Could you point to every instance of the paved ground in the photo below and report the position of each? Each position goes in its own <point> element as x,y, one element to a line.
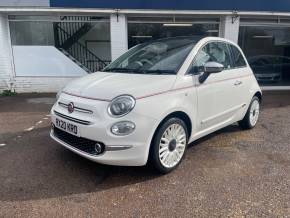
<point>230,173</point>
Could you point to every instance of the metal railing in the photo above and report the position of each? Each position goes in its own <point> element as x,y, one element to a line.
<point>67,35</point>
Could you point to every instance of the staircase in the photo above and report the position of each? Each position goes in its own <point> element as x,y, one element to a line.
<point>75,60</point>
<point>67,40</point>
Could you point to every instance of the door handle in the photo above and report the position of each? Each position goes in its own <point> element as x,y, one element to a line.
<point>238,82</point>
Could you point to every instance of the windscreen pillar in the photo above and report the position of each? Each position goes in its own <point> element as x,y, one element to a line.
<point>229,28</point>
<point>119,35</point>
<point>6,71</point>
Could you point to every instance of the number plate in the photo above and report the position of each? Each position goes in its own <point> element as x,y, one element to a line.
<point>66,126</point>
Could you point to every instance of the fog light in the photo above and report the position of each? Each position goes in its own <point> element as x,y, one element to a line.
<point>98,148</point>
<point>123,128</point>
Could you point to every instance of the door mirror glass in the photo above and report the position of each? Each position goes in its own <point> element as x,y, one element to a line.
<point>213,67</point>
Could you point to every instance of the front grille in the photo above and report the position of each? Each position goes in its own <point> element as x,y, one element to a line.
<point>76,108</point>
<point>86,145</point>
<point>84,122</point>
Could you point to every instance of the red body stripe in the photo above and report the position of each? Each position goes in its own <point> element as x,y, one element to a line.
<point>159,93</point>
<point>187,87</point>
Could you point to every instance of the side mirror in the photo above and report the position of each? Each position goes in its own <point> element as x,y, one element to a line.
<point>213,67</point>
<point>209,68</point>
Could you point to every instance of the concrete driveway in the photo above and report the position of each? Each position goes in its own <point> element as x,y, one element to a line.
<point>229,173</point>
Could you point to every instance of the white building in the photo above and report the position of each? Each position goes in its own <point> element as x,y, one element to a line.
<point>46,43</point>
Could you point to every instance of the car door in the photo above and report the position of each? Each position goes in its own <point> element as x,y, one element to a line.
<point>242,77</point>
<point>217,98</point>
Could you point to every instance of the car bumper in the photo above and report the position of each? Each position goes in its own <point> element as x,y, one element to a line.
<point>133,156</point>
<point>129,150</point>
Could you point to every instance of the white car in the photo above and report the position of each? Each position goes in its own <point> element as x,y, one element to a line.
<point>154,100</point>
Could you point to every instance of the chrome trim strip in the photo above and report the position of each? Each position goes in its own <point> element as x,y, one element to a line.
<point>117,147</point>
<point>76,108</point>
<point>84,122</point>
<point>91,98</point>
<point>63,104</point>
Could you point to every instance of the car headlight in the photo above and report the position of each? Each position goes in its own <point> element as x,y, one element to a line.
<point>121,105</point>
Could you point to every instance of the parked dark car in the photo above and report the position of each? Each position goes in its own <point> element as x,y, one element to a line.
<point>269,68</point>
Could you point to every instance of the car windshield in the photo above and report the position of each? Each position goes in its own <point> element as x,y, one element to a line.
<point>157,57</point>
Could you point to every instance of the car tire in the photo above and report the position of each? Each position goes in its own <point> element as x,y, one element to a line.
<point>169,145</point>
<point>251,118</point>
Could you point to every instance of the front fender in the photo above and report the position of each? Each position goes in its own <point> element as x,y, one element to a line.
<point>160,106</point>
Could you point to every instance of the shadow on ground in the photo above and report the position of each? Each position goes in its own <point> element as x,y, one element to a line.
<point>40,168</point>
<point>43,169</point>
<point>35,167</point>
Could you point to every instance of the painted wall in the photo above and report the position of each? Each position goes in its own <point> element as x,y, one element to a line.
<point>44,61</point>
<point>49,71</point>
<point>119,35</point>
<point>16,3</point>
<point>245,5</point>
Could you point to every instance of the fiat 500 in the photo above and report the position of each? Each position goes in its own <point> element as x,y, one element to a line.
<point>147,105</point>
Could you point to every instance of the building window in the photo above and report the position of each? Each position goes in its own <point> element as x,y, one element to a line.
<point>268,52</point>
<point>142,29</point>
<point>64,46</point>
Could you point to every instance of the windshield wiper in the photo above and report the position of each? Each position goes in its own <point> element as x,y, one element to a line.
<point>167,72</point>
<point>140,71</point>
<point>116,69</point>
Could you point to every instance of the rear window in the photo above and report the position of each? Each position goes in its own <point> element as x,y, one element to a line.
<point>238,59</point>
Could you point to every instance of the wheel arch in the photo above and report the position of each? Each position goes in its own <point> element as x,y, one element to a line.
<point>259,95</point>
<point>181,115</point>
<point>178,114</point>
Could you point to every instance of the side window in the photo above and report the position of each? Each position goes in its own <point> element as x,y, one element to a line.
<point>238,59</point>
<point>214,51</point>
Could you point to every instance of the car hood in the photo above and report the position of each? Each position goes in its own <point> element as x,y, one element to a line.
<point>103,85</point>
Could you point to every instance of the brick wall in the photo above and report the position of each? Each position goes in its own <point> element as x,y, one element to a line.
<point>40,84</point>
<point>5,54</point>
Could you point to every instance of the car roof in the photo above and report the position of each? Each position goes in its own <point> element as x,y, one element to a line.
<point>195,38</point>
<point>213,38</point>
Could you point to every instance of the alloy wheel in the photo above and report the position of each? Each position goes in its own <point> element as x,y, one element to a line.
<point>172,145</point>
<point>254,112</point>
